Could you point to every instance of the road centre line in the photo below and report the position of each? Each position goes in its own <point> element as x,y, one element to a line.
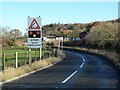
<point>82,65</point>
<point>81,57</point>
<point>69,77</point>
<point>76,70</point>
<point>83,61</point>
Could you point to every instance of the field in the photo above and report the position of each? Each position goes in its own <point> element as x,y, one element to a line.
<point>12,72</point>
<point>22,55</point>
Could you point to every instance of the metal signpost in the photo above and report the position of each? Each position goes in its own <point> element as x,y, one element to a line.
<point>34,34</point>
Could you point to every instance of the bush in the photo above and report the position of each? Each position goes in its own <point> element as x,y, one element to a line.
<point>12,43</point>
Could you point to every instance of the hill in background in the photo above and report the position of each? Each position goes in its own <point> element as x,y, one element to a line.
<point>99,33</point>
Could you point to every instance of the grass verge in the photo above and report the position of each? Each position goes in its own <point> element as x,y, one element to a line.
<point>112,57</point>
<point>10,72</point>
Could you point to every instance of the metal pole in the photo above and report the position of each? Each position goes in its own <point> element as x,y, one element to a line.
<point>40,52</point>
<point>29,56</point>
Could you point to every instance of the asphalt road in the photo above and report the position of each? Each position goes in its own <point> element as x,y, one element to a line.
<point>76,70</point>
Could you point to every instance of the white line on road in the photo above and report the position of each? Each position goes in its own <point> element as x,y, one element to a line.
<point>80,56</point>
<point>76,70</point>
<point>26,74</point>
<point>83,61</point>
<point>81,65</point>
<point>69,77</point>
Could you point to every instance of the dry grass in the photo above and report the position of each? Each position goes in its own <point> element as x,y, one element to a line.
<point>10,72</point>
<point>112,55</point>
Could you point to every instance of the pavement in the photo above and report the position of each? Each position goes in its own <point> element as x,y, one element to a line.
<point>77,71</point>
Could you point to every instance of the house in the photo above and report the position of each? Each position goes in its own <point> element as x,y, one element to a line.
<point>49,38</point>
<point>60,38</point>
<point>53,38</point>
<point>24,44</point>
<point>76,39</point>
<point>82,35</point>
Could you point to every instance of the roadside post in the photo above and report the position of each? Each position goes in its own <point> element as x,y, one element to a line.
<point>34,35</point>
<point>58,44</point>
<point>3,61</point>
<point>29,56</point>
<point>16,60</point>
<point>62,44</point>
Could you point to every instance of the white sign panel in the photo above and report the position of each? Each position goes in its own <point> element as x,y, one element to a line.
<point>34,42</point>
<point>34,32</point>
<point>34,23</point>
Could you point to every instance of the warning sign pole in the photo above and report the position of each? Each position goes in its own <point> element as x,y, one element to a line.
<point>34,35</point>
<point>29,52</point>
<point>40,52</point>
<point>41,41</point>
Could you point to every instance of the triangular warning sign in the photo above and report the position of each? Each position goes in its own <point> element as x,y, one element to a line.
<point>34,25</point>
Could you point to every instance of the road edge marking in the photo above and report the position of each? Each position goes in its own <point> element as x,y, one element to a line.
<point>26,74</point>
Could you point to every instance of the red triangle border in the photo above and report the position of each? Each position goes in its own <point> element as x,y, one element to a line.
<point>32,23</point>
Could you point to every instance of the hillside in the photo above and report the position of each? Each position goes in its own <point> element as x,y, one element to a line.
<point>66,30</point>
<point>102,34</point>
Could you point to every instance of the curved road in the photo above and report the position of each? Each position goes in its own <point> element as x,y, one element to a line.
<point>75,71</point>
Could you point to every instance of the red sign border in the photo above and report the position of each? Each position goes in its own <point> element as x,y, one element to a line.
<point>32,23</point>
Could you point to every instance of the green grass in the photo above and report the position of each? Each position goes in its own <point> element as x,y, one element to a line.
<point>22,55</point>
<point>11,72</point>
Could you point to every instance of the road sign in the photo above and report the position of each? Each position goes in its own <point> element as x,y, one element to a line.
<point>34,42</point>
<point>34,32</point>
<point>34,23</point>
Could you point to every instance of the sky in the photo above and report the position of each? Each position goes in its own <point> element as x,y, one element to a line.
<point>14,14</point>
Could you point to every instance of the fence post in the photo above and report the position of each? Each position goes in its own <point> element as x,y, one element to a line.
<point>29,56</point>
<point>40,52</point>
<point>25,57</point>
<point>55,52</point>
<point>16,60</point>
<point>35,55</point>
<point>43,55</point>
<point>3,61</point>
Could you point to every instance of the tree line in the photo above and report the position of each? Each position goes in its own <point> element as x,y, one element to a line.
<point>104,34</point>
<point>100,34</point>
<point>9,37</point>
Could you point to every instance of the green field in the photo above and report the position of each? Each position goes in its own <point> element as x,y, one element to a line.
<point>22,55</point>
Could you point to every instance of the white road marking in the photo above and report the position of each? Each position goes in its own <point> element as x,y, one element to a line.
<point>81,65</point>
<point>83,61</point>
<point>76,70</point>
<point>80,56</point>
<point>26,74</point>
<point>69,77</point>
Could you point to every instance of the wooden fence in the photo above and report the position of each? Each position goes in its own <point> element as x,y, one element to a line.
<point>18,59</point>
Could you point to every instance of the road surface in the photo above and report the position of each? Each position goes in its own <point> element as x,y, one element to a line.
<point>75,71</point>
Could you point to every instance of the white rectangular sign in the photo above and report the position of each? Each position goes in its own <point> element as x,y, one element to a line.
<point>34,32</point>
<point>34,42</point>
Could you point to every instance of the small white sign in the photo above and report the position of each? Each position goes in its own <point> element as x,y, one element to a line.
<point>34,42</point>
